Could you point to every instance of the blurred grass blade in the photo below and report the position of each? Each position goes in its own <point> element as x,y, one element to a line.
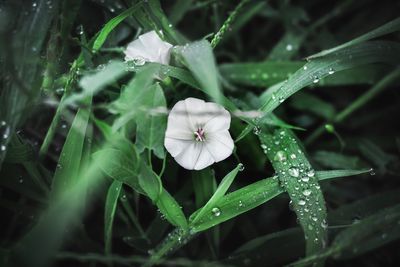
<point>219,193</point>
<point>151,120</point>
<point>111,205</point>
<point>71,156</point>
<point>387,28</point>
<point>94,82</point>
<point>204,185</point>
<point>298,179</point>
<point>199,59</point>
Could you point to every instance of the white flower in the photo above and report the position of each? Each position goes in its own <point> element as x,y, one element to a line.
<point>150,48</point>
<point>197,133</point>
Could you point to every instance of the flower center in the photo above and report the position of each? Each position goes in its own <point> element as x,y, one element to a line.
<point>200,135</point>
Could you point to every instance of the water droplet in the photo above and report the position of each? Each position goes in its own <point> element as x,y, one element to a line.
<point>263,146</point>
<point>34,4</point>
<point>293,156</point>
<point>79,30</point>
<point>301,202</point>
<point>101,67</point>
<point>314,218</point>
<point>3,123</point>
<point>21,180</point>
<point>241,167</point>
<point>315,79</point>
<point>305,67</point>
<point>324,224</point>
<point>256,130</point>
<point>289,47</point>
<point>307,192</point>
<point>311,173</point>
<point>280,156</point>
<point>293,171</point>
<point>310,227</point>
<point>216,211</point>
<point>240,203</point>
<point>265,76</point>
<point>372,172</point>
<point>281,99</point>
<point>331,71</point>
<point>2,148</point>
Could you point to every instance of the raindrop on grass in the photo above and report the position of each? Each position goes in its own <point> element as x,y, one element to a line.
<point>256,130</point>
<point>289,47</point>
<point>301,202</point>
<point>216,211</point>
<point>315,79</point>
<point>331,71</point>
<point>241,167</point>
<point>372,172</point>
<point>293,156</point>
<point>280,156</point>
<point>293,171</point>
<point>307,192</point>
<point>311,173</point>
<point>2,148</point>
<point>305,67</point>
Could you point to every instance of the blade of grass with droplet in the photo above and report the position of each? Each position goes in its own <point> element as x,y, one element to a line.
<point>314,70</point>
<point>391,26</point>
<point>298,179</point>
<point>325,175</point>
<point>69,163</point>
<point>218,194</point>
<point>109,212</point>
<point>150,125</point>
<point>199,58</point>
<point>238,202</point>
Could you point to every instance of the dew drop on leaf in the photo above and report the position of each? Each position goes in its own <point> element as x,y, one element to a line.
<point>293,171</point>
<point>307,192</point>
<point>216,211</point>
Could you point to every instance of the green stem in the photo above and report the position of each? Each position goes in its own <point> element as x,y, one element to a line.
<point>227,24</point>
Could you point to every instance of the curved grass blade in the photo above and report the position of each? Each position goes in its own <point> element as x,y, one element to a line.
<point>325,175</point>
<point>298,179</point>
<point>219,193</point>
<point>109,213</point>
<point>387,28</point>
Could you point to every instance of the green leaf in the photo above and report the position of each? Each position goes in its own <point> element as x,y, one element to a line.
<point>111,205</point>
<point>171,210</point>
<point>69,163</point>
<point>150,182</point>
<point>219,193</point>
<point>151,122</point>
<point>120,166</point>
<point>298,179</point>
<point>199,59</point>
<point>387,28</point>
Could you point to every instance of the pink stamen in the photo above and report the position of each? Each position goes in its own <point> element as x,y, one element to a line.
<point>200,135</point>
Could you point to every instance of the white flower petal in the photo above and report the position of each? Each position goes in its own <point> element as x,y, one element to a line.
<point>150,47</point>
<point>190,156</point>
<point>205,159</point>
<point>176,146</point>
<point>219,119</point>
<point>178,119</point>
<point>220,145</point>
<point>196,112</point>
